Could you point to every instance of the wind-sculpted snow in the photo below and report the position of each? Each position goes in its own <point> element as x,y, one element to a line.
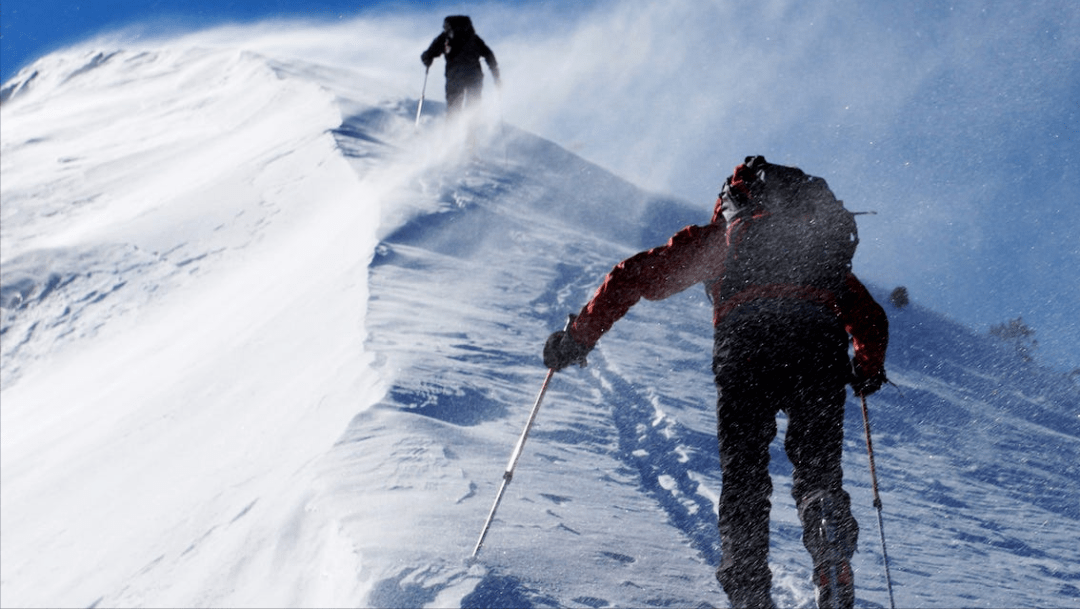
<point>278,354</point>
<point>51,296</point>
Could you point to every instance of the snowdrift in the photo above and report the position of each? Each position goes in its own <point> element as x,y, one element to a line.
<point>266,344</point>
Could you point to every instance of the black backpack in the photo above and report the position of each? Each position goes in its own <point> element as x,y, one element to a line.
<point>785,228</point>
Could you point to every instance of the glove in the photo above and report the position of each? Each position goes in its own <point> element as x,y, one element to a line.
<point>425,59</point>
<point>561,350</point>
<point>866,384</point>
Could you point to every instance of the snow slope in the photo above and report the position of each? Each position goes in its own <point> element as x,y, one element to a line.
<point>266,344</point>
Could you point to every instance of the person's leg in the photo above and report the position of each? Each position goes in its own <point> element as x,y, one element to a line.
<point>744,505</point>
<point>814,441</point>
<point>473,91</point>
<point>814,444</point>
<point>746,425</point>
<point>455,95</point>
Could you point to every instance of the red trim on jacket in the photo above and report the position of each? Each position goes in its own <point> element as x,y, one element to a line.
<point>695,255</point>
<point>776,290</point>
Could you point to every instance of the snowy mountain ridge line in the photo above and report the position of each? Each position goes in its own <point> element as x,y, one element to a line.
<point>251,240</point>
<point>211,142</point>
<point>297,382</point>
<point>246,115</point>
<point>149,176</point>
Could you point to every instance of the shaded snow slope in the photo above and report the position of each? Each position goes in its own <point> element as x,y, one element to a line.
<point>264,343</point>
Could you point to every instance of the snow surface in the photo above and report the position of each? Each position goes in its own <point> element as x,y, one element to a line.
<point>266,344</point>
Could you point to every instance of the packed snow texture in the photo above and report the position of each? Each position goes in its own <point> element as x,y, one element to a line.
<point>265,343</point>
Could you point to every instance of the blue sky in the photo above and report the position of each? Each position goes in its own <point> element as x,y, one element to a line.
<point>956,122</point>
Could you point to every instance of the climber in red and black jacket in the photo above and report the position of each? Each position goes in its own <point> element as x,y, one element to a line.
<point>778,346</point>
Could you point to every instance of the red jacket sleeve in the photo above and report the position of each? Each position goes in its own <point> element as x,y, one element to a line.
<point>694,254</point>
<point>865,321</point>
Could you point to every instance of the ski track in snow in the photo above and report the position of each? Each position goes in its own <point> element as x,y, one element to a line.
<point>265,343</point>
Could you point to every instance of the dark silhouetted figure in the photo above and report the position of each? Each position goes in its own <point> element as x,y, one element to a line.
<point>463,50</point>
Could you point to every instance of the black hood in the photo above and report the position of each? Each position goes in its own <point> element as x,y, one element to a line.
<point>458,26</point>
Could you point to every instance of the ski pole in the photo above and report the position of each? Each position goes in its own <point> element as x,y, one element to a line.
<point>877,500</point>
<point>509,473</point>
<point>423,90</point>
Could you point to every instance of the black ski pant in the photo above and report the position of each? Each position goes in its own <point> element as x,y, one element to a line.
<point>771,356</point>
<point>462,87</point>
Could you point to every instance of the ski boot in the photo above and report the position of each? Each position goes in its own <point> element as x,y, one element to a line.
<point>830,536</point>
<point>834,584</point>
